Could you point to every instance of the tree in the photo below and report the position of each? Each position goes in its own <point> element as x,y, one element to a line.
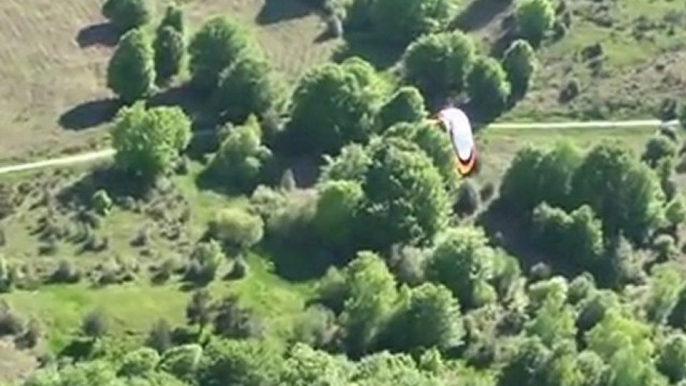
<point>338,207</point>
<point>233,321</point>
<point>305,366</point>
<point>438,63</point>
<point>624,192</point>
<point>519,63</point>
<point>139,362</point>
<point>371,291</point>
<point>331,107</point>
<point>216,46</point>
<point>463,262</point>
<point>434,143</point>
<point>128,14</point>
<point>406,105</point>
<point>170,51</point>
<point>488,87</point>
<point>204,262</point>
<point>148,142</point>
<point>95,324</point>
<point>247,87</point>
<point>174,18</point>
<point>430,317</point>
<point>351,164</point>
<point>241,157</point>
<point>237,228</point>
<point>672,358</point>
<point>131,71</point>
<point>198,310</point>
<point>406,202</point>
<point>159,336</point>
<point>534,19</point>
<point>239,362</point>
<point>182,361</point>
<point>527,366</point>
<point>576,237</point>
<point>553,322</point>
<point>675,213</point>
<point>401,21</point>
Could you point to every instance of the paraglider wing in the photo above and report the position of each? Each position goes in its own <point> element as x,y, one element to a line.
<point>459,130</point>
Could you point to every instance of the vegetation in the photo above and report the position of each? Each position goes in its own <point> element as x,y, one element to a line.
<point>323,237</point>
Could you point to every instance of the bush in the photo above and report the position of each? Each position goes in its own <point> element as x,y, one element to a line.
<point>658,148</point>
<point>204,262</point>
<point>467,200</point>
<point>139,362</point>
<point>65,272</point>
<point>10,323</point>
<point>237,228</point>
<point>159,336</point>
<point>241,157</point>
<point>128,14</point>
<point>102,203</point>
<point>406,105</point>
<point>95,324</point>
<point>131,71</point>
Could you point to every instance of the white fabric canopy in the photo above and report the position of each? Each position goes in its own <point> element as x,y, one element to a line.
<point>460,131</point>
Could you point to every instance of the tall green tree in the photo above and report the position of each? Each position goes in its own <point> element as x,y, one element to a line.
<point>625,193</point>
<point>519,62</point>
<point>463,262</point>
<point>534,19</point>
<point>217,45</point>
<point>438,64</point>
<point>131,71</point>
<point>128,14</point>
<point>406,201</point>
<point>149,141</point>
<point>401,21</point>
<point>170,53</point>
<point>331,107</point>
<point>406,105</point>
<point>488,87</point>
<point>174,18</point>
<point>248,86</point>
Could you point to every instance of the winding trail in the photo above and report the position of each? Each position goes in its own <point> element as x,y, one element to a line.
<point>106,153</point>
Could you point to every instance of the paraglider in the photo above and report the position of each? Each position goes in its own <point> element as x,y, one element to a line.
<point>457,126</point>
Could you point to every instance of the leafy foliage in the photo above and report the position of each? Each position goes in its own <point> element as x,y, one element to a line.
<point>534,19</point>
<point>402,21</point>
<point>170,53</point>
<point>128,14</point>
<point>131,71</point>
<point>148,142</point>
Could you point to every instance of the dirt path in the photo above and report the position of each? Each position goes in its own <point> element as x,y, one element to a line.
<point>106,153</point>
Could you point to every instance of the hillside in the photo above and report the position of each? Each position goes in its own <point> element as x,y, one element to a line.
<point>318,232</point>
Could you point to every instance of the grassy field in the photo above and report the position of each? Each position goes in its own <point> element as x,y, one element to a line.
<point>53,60</point>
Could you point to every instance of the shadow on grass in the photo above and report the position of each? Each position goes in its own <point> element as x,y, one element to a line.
<point>298,264</point>
<point>275,11</point>
<point>479,13</point>
<point>89,114</point>
<point>194,103</point>
<point>508,34</point>
<point>118,184</point>
<point>365,46</point>
<point>103,34</point>
<point>78,349</point>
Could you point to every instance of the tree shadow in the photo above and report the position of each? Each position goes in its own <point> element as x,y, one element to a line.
<point>508,34</point>
<point>479,13</point>
<point>361,44</point>
<point>103,34</point>
<point>275,11</point>
<point>89,114</point>
<point>119,186</point>
<point>194,104</point>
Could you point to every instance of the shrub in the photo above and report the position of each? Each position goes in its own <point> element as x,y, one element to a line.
<point>102,203</point>
<point>95,324</point>
<point>488,87</point>
<point>10,323</point>
<point>467,200</point>
<point>170,51</point>
<point>205,260</point>
<point>65,272</point>
<point>520,64</point>
<point>237,228</point>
